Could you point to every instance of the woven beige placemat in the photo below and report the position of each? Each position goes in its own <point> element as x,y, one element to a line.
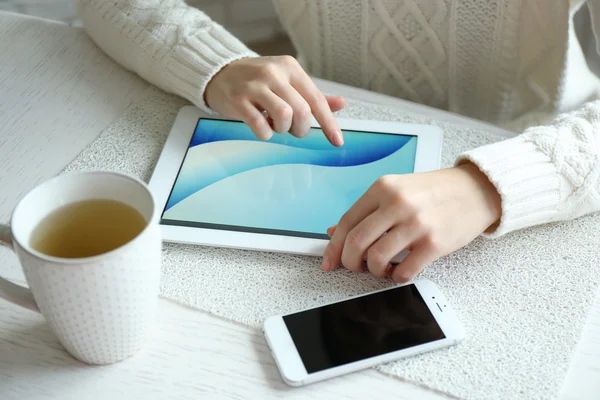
<point>522,298</point>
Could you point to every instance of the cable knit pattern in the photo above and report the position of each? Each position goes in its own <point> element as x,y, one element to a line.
<point>176,47</point>
<point>498,60</point>
<point>413,72</point>
<point>549,173</point>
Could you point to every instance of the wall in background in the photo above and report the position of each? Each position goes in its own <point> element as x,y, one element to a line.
<point>250,20</point>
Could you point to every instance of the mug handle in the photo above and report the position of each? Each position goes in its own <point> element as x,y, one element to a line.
<point>16,294</point>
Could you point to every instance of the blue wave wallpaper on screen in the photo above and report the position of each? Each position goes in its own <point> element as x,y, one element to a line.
<point>229,177</point>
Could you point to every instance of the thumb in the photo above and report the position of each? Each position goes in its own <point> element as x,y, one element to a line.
<point>336,103</point>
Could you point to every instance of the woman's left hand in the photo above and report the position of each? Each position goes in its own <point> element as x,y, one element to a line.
<point>431,214</point>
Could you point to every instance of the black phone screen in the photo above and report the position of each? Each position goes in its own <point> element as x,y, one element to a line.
<point>363,327</point>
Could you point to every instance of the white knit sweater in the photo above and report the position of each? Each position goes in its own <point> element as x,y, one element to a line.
<point>503,61</point>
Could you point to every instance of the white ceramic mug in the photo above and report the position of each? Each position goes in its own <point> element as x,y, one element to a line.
<point>101,308</point>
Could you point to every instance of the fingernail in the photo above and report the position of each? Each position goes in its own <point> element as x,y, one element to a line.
<point>326,264</point>
<point>338,138</point>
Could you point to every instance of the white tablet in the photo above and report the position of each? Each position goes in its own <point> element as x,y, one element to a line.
<point>218,185</point>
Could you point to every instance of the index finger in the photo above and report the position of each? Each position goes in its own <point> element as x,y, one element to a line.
<point>359,211</point>
<point>319,107</point>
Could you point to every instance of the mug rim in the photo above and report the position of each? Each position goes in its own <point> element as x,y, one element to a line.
<point>81,260</point>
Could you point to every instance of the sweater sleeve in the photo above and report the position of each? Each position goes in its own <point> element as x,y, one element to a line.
<point>549,173</point>
<point>171,45</point>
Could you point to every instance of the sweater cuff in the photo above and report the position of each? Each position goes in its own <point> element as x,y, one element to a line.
<point>197,59</point>
<point>525,178</point>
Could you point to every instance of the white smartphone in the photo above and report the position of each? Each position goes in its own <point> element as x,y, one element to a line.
<point>361,332</point>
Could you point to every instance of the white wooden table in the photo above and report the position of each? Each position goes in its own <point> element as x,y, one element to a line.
<point>57,93</point>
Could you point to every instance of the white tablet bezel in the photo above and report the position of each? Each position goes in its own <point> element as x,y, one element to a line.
<point>429,146</point>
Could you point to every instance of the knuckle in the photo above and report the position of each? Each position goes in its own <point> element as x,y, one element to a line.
<point>354,239</point>
<point>377,261</point>
<point>418,222</point>
<point>238,98</point>
<point>410,208</point>
<point>282,112</point>
<point>349,264</point>
<point>303,111</point>
<point>432,243</point>
<point>400,199</point>
<point>257,122</point>
<point>320,100</point>
<point>385,183</point>
<point>269,71</point>
<point>316,98</point>
<point>288,61</point>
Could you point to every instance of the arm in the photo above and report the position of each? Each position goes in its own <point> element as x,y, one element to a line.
<point>549,173</point>
<point>171,45</point>
<point>180,50</point>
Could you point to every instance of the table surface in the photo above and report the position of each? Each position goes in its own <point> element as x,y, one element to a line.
<point>57,93</point>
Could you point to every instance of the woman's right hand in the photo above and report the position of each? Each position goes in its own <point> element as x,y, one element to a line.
<point>278,85</point>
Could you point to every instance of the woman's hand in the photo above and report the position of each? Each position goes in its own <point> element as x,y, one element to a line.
<point>431,214</point>
<point>278,85</point>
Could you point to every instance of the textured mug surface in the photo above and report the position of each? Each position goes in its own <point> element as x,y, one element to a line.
<point>101,308</point>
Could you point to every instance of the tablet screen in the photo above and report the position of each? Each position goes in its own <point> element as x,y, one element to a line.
<point>230,180</point>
